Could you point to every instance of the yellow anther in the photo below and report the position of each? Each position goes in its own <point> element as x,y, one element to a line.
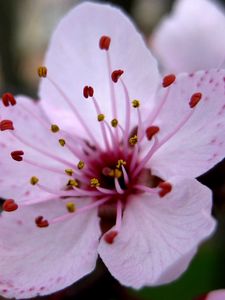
<point>62,142</point>
<point>117,173</point>
<point>71,207</point>
<point>114,123</point>
<point>120,163</point>
<point>111,173</point>
<point>101,117</point>
<point>136,103</point>
<point>42,71</point>
<point>94,182</point>
<point>133,140</point>
<point>54,128</point>
<point>80,165</point>
<point>73,182</point>
<point>34,180</point>
<point>69,172</point>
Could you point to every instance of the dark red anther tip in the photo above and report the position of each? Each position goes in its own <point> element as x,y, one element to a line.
<point>9,205</point>
<point>165,187</point>
<point>168,80</point>
<point>195,98</point>
<point>41,222</point>
<point>116,75</point>
<point>88,91</point>
<point>104,42</point>
<point>151,131</point>
<point>6,125</point>
<point>8,99</point>
<point>110,236</point>
<point>17,155</point>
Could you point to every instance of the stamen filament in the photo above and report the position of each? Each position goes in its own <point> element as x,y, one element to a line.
<point>117,186</point>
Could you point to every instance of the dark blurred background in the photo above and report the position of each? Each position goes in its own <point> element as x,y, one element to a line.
<point>25,29</point>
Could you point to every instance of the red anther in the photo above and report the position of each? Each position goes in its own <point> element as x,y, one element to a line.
<point>104,42</point>
<point>41,222</point>
<point>17,155</point>
<point>116,75</point>
<point>8,99</point>
<point>151,131</point>
<point>88,91</point>
<point>195,98</point>
<point>168,80</point>
<point>6,125</point>
<point>165,187</point>
<point>9,205</point>
<point>110,236</point>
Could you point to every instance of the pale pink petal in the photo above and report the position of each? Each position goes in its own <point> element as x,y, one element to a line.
<point>38,261</point>
<point>192,37</point>
<point>159,236</point>
<point>216,295</point>
<point>200,143</point>
<point>32,126</point>
<point>75,60</point>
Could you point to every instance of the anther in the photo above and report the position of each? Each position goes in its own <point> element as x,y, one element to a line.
<point>195,98</point>
<point>73,182</point>
<point>34,180</point>
<point>42,71</point>
<point>9,205</point>
<point>116,75</point>
<point>165,187</point>
<point>54,128</point>
<point>117,173</point>
<point>136,103</point>
<point>94,182</point>
<point>8,99</point>
<point>88,91</point>
<point>101,117</point>
<point>6,125</point>
<point>114,123</point>
<point>120,163</point>
<point>71,207</point>
<point>110,236</point>
<point>168,80</point>
<point>80,165</point>
<point>104,42</point>
<point>69,172</point>
<point>133,140</point>
<point>41,222</point>
<point>151,131</point>
<point>17,155</point>
<point>62,142</point>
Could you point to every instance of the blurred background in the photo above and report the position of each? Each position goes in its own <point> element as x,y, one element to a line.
<point>25,29</point>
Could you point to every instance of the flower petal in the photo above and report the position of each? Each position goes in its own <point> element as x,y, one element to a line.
<point>74,60</point>
<point>200,143</point>
<point>159,235</point>
<point>216,295</point>
<point>192,37</point>
<point>38,261</point>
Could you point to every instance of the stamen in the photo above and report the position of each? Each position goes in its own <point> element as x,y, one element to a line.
<point>17,155</point>
<point>195,98</point>
<point>110,236</point>
<point>165,187</point>
<point>42,71</point>
<point>62,142</point>
<point>41,222</point>
<point>117,173</point>
<point>34,180</point>
<point>9,205</point>
<point>151,131</point>
<point>116,75</point>
<point>80,165</point>
<point>94,182</point>
<point>168,80</point>
<point>73,183</point>
<point>114,123</point>
<point>8,99</point>
<point>54,128</point>
<point>69,172</point>
<point>125,175</point>
<point>101,117</point>
<point>6,125</point>
<point>117,186</point>
<point>88,91</point>
<point>133,140</point>
<point>121,163</point>
<point>104,42</point>
<point>71,207</point>
<point>136,103</point>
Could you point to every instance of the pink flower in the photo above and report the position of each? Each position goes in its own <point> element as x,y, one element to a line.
<point>105,162</point>
<point>192,37</point>
<point>215,295</point>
